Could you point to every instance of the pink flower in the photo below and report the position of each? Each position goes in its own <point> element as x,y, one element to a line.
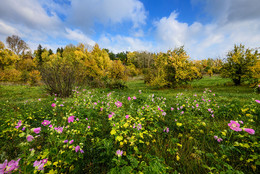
<point>234,126</point>
<point>101,109</point>
<point>110,116</point>
<point>118,104</point>
<point>215,137</point>
<point>71,141</point>
<point>119,153</point>
<point>45,160</point>
<point>46,122</point>
<point>241,122</point>
<point>129,98</point>
<point>65,141</point>
<point>53,105</point>
<point>59,129</point>
<point>88,127</point>
<point>18,124</point>
<point>219,140</point>
<point>127,116</point>
<point>81,151</point>
<point>37,130</point>
<point>71,119</point>
<point>38,165</point>
<point>77,148</point>
<point>50,126</point>
<point>8,167</point>
<point>258,101</point>
<point>29,138</point>
<point>134,97</point>
<point>250,131</point>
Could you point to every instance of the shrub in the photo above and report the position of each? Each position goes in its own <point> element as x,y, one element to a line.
<point>11,75</point>
<point>34,77</point>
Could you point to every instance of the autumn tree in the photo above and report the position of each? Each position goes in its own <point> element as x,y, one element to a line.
<point>238,64</point>
<point>173,68</point>
<point>16,44</point>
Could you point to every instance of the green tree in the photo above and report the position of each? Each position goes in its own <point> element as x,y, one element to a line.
<point>238,64</point>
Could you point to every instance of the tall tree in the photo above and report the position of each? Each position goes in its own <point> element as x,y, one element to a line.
<point>238,64</point>
<point>16,44</point>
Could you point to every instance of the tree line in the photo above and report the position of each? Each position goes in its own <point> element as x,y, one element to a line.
<point>83,65</point>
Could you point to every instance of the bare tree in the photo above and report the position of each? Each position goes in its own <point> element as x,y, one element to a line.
<point>16,44</point>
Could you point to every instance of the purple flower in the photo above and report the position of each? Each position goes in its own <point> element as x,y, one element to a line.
<point>46,122</point>
<point>250,131</point>
<point>139,126</point>
<point>172,108</point>
<point>29,138</point>
<point>8,167</point>
<point>71,119</point>
<point>37,130</point>
<point>38,165</point>
<point>88,127</point>
<point>134,97</point>
<point>110,116</point>
<point>53,105</point>
<point>65,141</point>
<point>127,116</point>
<point>61,105</point>
<point>81,151</point>
<point>71,141</point>
<point>23,128</point>
<point>119,153</point>
<point>18,124</point>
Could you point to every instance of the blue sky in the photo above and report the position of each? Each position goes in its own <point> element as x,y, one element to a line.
<point>206,28</point>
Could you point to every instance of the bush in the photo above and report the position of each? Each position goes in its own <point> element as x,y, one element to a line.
<point>34,77</point>
<point>11,75</point>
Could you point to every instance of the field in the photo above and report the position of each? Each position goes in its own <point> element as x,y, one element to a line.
<point>208,126</point>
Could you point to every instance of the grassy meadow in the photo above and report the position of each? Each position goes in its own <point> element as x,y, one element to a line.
<point>207,126</point>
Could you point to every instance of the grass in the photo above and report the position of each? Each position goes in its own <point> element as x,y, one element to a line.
<point>189,147</point>
<point>223,87</point>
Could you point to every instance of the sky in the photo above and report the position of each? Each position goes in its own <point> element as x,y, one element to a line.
<point>206,28</point>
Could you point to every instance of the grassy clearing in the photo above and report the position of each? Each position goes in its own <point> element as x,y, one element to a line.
<point>172,131</point>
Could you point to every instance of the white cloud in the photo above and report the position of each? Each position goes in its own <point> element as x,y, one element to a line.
<point>84,13</point>
<point>120,43</point>
<point>216,38</point>
<point>79,36</point>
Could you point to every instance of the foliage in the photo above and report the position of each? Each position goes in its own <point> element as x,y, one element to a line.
<point>239,64</point>
<point>34,77</point>
<point>7,57</point>
<point>173,68</point>
<point>11,75</point>
<point>143,132</point>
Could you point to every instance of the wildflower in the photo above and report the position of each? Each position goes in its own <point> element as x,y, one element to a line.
<point>38,165</point>
<point>209,110</point>
<point>258,101</point>
<point>182,112</point>
<point>134,97</point>
<point>29,138</point>
<point>59,129</point>
<point>23,128</point>
<point>250,131</point>
<point>37,130</point>
<point>81,151</point>
<point>140,91</point>
<point>118,104</point>
<point>234,126</point>
<point>50,126</point>
<point>88,127</point>
<point>139,126</point>
<point>212,115</point>
<point>134,125</point>
<point>215,137</point>
<point>219,140</point>
<point>164,113</point>
<point>129,98</point>
<point>101,109</point>
<point>39,99</point>
<point>53,105</point>
<point>46,122</point>
<point>19,124</point>
<point>71,119</point>
<point>65,141</point>
<point>8,167</point>
<point>119,153</point>
<point>77,148</point>
<point>61,105</point>
<point>127,116</point>
<point>110,116</point>
<point>71,141</point>
<point>241,122</point>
